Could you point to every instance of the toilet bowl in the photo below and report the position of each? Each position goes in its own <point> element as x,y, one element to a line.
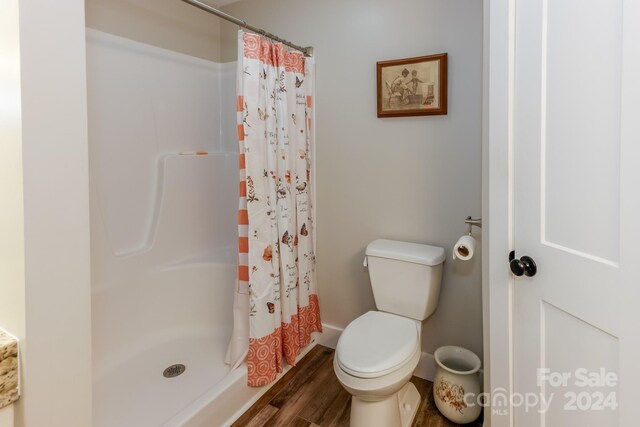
<point>378,352</point>
<point>375,358</point>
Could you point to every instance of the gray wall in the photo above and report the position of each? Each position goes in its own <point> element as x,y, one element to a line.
<point>412,179</point>
<point>169,24</point>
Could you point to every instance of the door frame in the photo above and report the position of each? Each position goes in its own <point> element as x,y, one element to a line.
<point>497,207</point>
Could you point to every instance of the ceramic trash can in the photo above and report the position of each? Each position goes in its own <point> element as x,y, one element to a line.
<point>457,384</point>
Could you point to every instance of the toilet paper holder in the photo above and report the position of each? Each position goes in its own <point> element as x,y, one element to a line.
<point>473,221</point>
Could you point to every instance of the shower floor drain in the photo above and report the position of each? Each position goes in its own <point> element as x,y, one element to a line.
<point>174,370</point>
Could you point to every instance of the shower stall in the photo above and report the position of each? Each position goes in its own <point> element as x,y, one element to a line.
<point>164,197</point>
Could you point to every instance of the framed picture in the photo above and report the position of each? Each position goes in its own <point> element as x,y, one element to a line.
<point>412,86</point>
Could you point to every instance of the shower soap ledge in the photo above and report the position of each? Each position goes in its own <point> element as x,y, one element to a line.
<point>8,369</point>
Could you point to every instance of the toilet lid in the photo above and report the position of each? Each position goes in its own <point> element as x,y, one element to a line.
<point>376,343</point>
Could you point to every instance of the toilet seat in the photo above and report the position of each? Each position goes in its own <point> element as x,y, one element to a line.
<point>376,344</point>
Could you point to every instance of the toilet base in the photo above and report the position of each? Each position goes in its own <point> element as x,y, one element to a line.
<point>397,410</point>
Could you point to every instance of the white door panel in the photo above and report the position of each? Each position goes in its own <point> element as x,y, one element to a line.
<point>572,73</point>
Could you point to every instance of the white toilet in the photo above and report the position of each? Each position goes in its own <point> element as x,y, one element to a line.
<point>378,352</point>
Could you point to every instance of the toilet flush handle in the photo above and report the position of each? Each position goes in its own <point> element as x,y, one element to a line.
<point>365,263</point>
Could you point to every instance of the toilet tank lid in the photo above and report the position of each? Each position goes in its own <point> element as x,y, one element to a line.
<point>405,251</point>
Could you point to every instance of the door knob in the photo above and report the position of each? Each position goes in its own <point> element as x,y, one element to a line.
<point>523,266</point>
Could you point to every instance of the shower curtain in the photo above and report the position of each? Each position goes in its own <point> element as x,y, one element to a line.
<point>276,274</point>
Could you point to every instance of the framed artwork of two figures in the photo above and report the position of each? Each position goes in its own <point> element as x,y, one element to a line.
<point>412,86</point>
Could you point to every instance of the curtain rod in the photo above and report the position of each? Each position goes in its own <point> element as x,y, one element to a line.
<point>307,51</point>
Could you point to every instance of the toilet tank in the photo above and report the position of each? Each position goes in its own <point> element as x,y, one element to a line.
<point>405,277</point>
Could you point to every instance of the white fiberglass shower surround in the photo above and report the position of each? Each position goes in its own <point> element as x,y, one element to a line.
<point>164,235</point>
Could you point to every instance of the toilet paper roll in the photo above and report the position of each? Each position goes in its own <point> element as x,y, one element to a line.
<point>464,248</point>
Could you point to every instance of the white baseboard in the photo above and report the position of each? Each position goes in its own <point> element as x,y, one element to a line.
<point>426,368</point>
<point>329,336</point>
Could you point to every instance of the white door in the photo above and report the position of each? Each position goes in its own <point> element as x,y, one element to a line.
<point>576,139</point>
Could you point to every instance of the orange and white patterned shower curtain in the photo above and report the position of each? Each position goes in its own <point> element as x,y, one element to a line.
<point>276,227</point>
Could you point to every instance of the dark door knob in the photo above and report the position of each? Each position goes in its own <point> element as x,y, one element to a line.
<point>525,265</point>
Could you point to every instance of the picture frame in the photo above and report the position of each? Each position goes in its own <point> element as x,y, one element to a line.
<point>412,86</point>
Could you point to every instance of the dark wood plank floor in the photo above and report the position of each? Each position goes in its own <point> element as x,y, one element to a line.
<point>310,395</point>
